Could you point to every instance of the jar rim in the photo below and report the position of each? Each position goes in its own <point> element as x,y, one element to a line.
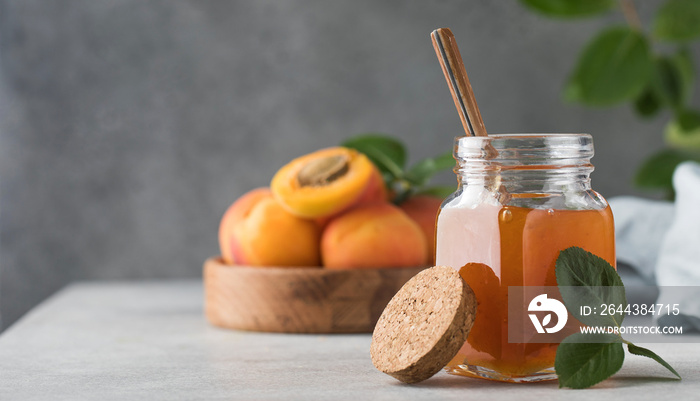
<point>530,135</point>
<point>529,148</point>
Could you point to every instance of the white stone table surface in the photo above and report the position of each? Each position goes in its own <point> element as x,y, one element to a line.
<point>150,341</point>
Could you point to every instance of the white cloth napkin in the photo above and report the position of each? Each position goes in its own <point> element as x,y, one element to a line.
<point>640,227</point>
<point>679,256</point>
<point>661,241</point>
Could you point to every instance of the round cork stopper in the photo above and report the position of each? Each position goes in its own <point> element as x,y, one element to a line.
<point>424,325</point>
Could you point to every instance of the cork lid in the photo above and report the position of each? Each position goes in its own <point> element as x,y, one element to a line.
<point>424,325</point>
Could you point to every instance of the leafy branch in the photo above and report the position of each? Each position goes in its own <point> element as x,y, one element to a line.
<point>389,155</point>
<point>584,360</point>
<point>650,68</point>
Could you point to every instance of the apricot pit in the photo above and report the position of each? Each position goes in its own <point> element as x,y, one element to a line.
<point>323,171</point>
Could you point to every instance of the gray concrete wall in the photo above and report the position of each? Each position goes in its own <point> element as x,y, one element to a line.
<point>127,127</point>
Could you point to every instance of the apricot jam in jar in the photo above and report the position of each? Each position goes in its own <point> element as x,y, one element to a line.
<point>522,198</point>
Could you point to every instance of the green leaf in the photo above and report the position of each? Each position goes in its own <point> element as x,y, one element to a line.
<point>688,121</point>
<point>678,21</point>
<point>636,350</point>
<point>657,171</point>
<point>614,67</point>
<point>647,104</point>
<point>668,83</point>
<point>671,84</point>
<point>585,279</point>
<point>420,173</point>
<point>684,130</point>
<point>569,8</point>
<point>438,191</point>
<point>684,65</point>
<point>387,153</point>
<point>582,364</point>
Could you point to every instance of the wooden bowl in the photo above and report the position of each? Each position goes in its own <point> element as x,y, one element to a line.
<point>299,299</point>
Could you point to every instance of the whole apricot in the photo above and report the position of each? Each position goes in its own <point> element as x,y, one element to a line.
<point>236,213</point>
<point>376,235</point>
<point>423,209</point>
<point>326,182</point>
<point>257,231</point>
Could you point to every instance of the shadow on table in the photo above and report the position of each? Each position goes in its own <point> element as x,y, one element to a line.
<point>634,381</point>
<point>454,381</point>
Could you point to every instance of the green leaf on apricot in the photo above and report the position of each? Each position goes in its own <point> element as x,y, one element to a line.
<point>421,172</point>
<point>438,191</point>
<point>387,153</point>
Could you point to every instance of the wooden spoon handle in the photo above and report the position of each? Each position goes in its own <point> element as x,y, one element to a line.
<point>452,66</point>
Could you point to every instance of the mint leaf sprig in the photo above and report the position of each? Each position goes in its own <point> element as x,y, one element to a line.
<point>584,360</point>
<point>389,155</point>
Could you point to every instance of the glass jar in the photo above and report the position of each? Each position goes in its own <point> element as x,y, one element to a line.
<point>522,198</point>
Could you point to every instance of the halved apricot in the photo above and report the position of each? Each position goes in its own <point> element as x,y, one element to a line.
<point>326,182</point>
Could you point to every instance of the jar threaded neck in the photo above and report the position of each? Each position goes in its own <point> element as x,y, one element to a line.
<point>547,159</point>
